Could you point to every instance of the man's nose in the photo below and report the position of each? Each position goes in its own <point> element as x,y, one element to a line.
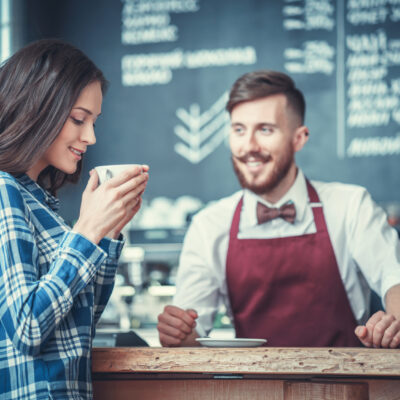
<point>252,143</point>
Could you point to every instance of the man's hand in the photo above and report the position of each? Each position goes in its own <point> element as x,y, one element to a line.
<point>381,330</point>
<point>176,327</point>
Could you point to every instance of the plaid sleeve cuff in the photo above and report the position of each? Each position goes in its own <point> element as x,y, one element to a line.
<point>82,245</point>
<point>112,247</point>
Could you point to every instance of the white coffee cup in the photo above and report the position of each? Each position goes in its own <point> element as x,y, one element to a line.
<point>107,172</point>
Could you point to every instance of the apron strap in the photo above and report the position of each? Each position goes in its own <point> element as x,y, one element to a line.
<point>317,209</point>
<point>236,219</point>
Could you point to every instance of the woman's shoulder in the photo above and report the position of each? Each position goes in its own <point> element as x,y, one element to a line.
<point>8,181</point>
<point>6,177</point>
<point>10,190</point>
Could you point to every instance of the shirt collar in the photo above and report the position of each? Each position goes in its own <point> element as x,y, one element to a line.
<point>297,194</point>
<point>38,192</point>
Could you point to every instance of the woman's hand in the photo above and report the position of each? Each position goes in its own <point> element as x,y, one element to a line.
<point>107,208</point>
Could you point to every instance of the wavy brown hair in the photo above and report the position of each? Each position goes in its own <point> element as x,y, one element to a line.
<point>264,83</point>
<point>39,85</point>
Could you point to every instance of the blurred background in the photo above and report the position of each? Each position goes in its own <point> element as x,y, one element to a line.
<point>171,63</point>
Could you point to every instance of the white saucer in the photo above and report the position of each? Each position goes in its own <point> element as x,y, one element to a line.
<point>238,342</point>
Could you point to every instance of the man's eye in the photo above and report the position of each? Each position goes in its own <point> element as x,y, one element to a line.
<point>266,130</point>
<point>238,131</point>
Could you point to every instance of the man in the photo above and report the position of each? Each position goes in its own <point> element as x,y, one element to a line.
<point>298,274</point>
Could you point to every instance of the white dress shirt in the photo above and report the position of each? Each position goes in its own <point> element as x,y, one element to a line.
<point>366,247</point>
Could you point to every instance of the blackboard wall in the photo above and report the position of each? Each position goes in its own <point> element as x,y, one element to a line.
<point>171,63</point>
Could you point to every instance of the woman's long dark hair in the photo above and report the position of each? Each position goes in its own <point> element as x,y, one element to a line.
<point>39,85</point>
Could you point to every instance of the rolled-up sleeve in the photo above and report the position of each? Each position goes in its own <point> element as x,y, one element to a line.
<point>197,286</point>
<point>374,244</point>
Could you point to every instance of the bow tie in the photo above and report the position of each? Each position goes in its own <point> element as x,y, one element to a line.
<point>287,211</point>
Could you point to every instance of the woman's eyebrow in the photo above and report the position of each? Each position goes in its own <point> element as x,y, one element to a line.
<point>85,110</point>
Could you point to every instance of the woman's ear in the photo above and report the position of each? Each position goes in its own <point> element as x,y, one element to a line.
<point>300,137</point>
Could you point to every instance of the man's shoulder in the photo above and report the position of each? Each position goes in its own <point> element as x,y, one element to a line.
<point>338,192</point>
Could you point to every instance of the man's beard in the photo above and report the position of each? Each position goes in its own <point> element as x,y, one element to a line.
<point>281,169</point>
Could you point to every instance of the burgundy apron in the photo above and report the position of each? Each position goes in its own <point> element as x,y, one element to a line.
<point>289,290</point>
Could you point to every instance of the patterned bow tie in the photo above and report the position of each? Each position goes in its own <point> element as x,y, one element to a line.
<point>287,211</point>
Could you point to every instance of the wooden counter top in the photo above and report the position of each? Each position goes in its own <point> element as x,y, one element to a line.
<point>193,373</point>
<point>261,360</point>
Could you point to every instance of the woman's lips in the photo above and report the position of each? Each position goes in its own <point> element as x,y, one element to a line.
<point>76,153</point>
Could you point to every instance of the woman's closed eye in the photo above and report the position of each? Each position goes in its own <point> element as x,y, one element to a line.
<point>77,121</point>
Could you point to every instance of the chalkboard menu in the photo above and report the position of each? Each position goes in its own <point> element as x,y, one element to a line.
<point>171,64</point>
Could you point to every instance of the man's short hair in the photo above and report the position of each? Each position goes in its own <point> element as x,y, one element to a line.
<point>259,84</point>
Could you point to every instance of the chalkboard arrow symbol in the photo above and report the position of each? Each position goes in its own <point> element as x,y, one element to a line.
<point>195,119</point>
<point>197,155</point>
<point>196,137</point>
<point>203,132</point>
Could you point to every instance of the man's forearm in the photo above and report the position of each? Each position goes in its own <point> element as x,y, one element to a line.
<point>393,301</point>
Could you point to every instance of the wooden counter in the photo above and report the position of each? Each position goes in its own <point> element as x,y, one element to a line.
<point>243,373</point>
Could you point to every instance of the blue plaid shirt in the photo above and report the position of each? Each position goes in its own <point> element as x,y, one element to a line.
<point>54,285</point>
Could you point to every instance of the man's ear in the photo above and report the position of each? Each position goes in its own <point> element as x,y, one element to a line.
<point>300,137</point>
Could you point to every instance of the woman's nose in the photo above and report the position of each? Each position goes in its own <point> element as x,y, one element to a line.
<point>89,135</point>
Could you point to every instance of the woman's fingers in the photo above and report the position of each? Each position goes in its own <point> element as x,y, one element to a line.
<point>131,197</point>
<point>131,210</point>
<point>136,204</point>
<point>125,176</point>
<point>128,186</point>
<point>93,181</point>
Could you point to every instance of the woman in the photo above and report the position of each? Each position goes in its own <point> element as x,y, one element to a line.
<point>54,281</point>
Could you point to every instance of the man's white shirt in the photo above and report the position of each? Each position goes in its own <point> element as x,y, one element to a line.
<point>367,249</point>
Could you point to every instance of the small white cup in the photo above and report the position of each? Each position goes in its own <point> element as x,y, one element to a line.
<point>107,172</point>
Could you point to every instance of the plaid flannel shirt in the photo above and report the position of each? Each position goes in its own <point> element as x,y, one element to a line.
<point>54,285</point>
